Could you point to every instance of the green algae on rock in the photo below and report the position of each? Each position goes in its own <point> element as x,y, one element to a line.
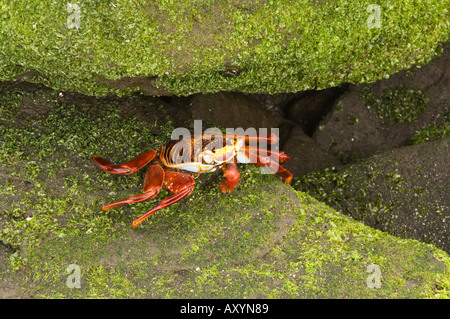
<point>399,104</point>
<point>264,240</point>
<point>434,132</point>
<point>186,46</point>
<point>402,191</point>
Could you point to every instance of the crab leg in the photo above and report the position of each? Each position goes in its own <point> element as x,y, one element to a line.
<point>285,174</point>
<point>266,161</point>
<point>231,177</point>
<point>128,167</point>
<point>269,139</point>
<point>180,184</point>
<point>250,151</point>
<point>153,182</point>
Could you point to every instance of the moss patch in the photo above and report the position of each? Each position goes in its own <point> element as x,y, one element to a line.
<point>187,47</point>
<point>399,104</point>
<point>331,260</point>
<point>434,132</point>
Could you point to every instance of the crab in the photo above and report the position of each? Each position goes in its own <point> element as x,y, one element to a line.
<point>177,163</point>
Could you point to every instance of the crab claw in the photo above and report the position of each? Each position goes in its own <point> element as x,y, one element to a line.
<point>126,168</point>
<point>231,178</point>
<point>284,158</point>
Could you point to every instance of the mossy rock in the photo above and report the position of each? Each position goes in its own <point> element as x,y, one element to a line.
<point>263,240</point>
<point>185,47</point>
<point>403,191</point>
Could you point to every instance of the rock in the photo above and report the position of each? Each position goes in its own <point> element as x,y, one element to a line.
<point>309,109</point>
<point>264,240</point>
<point>218,46</point>
<point>146,85</point>
<point>306,155</point>
<point>277,103</point>
<point>351,128</point>
<point>404,191</point>
<point>235,110</point>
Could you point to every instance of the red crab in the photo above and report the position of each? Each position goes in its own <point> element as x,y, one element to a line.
<point>199,154</point>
